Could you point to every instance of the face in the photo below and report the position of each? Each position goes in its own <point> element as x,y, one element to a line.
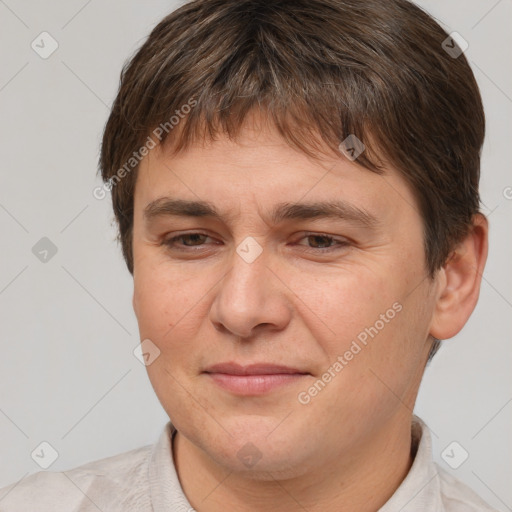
<point>288,335</point>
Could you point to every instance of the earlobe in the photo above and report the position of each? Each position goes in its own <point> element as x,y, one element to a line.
<point>459,281</point>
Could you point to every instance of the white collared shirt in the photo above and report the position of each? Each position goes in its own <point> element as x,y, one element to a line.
<point>145,480</point>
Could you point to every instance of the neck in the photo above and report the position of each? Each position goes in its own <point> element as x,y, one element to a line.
<point>363,480</point>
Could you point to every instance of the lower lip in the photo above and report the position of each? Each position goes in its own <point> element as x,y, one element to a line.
<point>254,384</point>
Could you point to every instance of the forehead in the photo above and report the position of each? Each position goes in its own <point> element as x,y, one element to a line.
<point>259,171</point>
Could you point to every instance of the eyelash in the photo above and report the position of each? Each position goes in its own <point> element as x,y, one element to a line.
<point>340,243</point>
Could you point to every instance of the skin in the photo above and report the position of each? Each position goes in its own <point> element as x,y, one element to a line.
<point>294,305</point>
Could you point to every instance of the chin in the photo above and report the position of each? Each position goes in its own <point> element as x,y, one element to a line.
<point>256,448</point>
<point>267,464</point>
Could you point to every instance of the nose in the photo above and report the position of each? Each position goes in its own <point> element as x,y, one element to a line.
<point>250,298</point>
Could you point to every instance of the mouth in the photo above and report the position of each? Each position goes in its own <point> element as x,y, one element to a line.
<point>254,379</point>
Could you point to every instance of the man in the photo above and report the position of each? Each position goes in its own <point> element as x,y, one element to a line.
<point>296,188</point>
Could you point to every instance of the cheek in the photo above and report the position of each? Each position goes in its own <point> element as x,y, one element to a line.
<point>374,323</point>
<point>339,304</point>
<point>172,308</point>
<point>168,307</point>
<point>151,304</point>
<point>165,295</point>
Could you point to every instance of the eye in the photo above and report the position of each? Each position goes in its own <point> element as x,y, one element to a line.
<point>318,242</point>
<point>324,243</point>
<point>188,239</point>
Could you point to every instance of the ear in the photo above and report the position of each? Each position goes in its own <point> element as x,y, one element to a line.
<point>459,281</point>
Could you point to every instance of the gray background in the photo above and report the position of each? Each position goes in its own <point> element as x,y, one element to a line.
<point>67,372</point>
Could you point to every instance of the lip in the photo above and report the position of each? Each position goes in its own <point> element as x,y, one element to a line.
<point>253,379</point>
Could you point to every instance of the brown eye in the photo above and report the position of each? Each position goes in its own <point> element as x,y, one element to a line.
<point>320,241</point>
<point>187,239</point>
<point>193,237</point>
<point>323,243</point>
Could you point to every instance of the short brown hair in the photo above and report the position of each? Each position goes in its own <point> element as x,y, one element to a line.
<point>316,67</point>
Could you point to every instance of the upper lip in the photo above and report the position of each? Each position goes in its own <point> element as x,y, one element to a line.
<point>252,369</point>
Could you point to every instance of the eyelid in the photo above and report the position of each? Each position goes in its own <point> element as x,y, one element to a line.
<point>338,238</point>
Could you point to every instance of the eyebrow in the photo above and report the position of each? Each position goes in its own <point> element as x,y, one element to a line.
<point>166,206</point>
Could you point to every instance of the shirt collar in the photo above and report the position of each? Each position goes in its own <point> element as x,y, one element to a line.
<point>165,487</point>
<point>419,491</point>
